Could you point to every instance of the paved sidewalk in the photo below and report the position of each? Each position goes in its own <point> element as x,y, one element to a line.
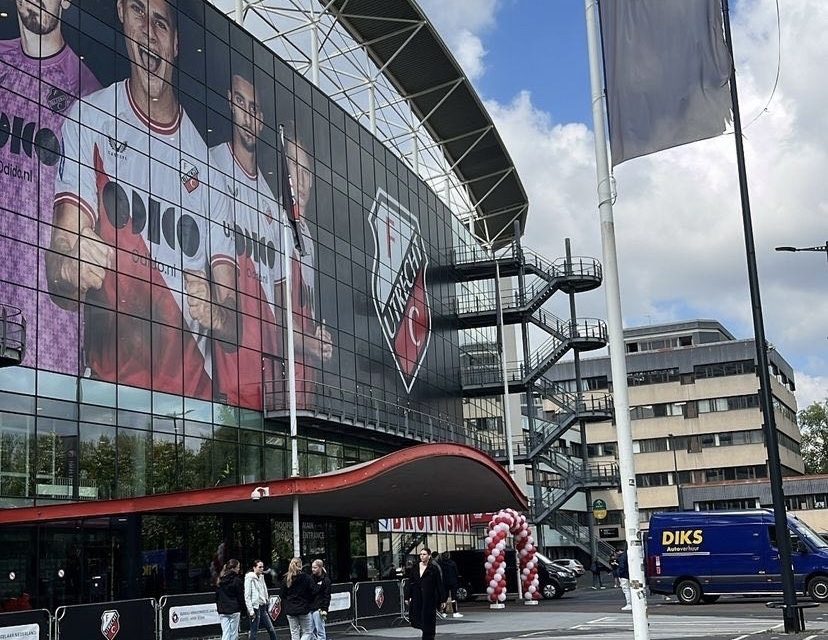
<point>548,623</point>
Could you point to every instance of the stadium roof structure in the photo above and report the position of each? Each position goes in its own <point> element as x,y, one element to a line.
<point>386,64</point>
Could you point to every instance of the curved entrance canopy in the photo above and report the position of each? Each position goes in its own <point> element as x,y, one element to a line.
<point>420,480</point>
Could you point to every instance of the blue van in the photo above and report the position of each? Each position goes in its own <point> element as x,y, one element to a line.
<point>701,555</point>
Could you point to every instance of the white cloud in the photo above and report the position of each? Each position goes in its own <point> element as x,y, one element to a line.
<point>461,23</point>
<point>810,389</point>
<point>678,217</point>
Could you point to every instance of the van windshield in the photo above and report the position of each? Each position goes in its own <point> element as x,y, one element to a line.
<point>542,558</point>
<point>809,535</point>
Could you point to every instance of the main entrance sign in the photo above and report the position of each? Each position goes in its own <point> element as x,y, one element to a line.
<point>399,284</point>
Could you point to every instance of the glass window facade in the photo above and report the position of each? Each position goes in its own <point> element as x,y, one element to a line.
<point>169,189</point>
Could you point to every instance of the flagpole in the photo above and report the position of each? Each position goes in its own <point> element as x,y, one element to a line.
<point>615,327</point>
<point>789,614</point>
<point>291,356</point>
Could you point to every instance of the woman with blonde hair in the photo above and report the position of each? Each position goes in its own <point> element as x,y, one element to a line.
<point>297,596</point>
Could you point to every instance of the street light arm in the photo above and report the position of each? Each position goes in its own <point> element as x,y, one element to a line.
<point>823,248</point>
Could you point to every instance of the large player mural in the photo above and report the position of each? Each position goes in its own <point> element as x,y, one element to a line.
<point>155,166</point>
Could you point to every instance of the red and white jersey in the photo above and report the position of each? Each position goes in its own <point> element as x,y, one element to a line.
<point>253,224</point>
<point>144,187</point>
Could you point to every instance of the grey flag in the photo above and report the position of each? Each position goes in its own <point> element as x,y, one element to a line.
<point>667,74</point>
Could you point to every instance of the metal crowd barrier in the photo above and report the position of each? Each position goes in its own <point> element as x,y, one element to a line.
<point>35,624</point>
<point>126,619</point>
<point>191,616</point>
<point>376,600</point>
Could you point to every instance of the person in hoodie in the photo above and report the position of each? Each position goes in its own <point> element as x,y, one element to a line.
<point>230,599</point>
<point>255,600</point>
<point>298,593</point>
<point>322,600</point>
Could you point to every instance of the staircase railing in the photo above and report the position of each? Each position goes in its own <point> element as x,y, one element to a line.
<point>578,534</point>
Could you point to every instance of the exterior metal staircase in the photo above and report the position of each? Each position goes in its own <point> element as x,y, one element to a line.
<point>482,373</point>
<point>484,378</point>
<point>589,476</point>
<point>577,534</point>
<point>12,336</point>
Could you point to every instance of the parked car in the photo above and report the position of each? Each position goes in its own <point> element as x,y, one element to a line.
<point>554,580</point>
<point>573,565</point>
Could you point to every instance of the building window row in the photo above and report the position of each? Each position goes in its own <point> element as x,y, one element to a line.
<point>724,369</point>
<point>786,412</point>
<point>654,376</point>
<point>702,476</point>
<point>692,408</point>
<point>726,505</point>
<point>695,443</point>
<point>659,344</point>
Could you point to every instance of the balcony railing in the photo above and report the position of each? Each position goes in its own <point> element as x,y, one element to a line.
<point>360,408</point>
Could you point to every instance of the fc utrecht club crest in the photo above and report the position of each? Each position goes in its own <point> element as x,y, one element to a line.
<point>189,176</point>
<point>399,285</point>
<point>379,596</point>
<point>110,624</point>
<point>274,607</point>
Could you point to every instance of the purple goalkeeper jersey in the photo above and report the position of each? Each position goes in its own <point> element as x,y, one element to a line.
<point>35,95</point>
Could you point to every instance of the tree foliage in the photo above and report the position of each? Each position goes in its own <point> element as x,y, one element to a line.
<point>813,422</point>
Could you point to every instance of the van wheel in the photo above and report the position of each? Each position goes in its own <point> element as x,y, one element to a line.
<point>551,590</point>
<point>462,594</point>
<point>688,592</point>
<point>818,589</point>
<point>710,599</point>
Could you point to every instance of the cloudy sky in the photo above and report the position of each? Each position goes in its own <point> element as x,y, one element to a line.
<point>677,215</point>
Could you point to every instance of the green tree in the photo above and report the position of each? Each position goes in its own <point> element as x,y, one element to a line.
<point>813,422</point>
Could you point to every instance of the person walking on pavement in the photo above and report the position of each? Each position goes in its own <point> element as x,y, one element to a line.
<point>424,593</point>
<point>255,599</point>
<point>230,599</point>
<point>298,597</point>
<point>614,569</point>
<point>451,580</point>
<point>322,599</point>
<point>624,578</point>
<point>595,567</point>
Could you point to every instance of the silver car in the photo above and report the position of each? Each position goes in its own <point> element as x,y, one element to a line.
<point>571,564</point>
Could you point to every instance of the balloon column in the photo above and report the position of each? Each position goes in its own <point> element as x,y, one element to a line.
<point>509,520</point>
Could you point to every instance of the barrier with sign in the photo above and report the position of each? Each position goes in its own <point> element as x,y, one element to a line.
<point>274,610</point>
<point>25,625</point>
<point>191,615</point>
<point>341,609</point>
<point>376,600</point>
<point>124,619</point>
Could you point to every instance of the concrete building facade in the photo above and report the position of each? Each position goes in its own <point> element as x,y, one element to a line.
<point>695,413</point>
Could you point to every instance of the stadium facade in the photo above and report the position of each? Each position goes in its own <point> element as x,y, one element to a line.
<point>170,188</point>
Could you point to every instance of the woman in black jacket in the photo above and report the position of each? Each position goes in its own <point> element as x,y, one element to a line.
<point>297,596</point>
<point>230,600</point>
<point>424,593</point>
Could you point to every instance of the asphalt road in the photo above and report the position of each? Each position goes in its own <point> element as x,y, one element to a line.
<point>586,613</point>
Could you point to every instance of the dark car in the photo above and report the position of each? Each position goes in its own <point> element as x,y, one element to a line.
<point>554,580</point>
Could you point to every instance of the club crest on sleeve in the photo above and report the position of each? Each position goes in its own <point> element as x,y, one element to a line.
<point>189,175</point>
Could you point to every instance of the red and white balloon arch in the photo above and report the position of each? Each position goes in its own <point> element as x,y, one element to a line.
<point>506,521</point>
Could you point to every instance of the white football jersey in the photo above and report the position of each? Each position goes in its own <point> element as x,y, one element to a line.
<point>145,187</point>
